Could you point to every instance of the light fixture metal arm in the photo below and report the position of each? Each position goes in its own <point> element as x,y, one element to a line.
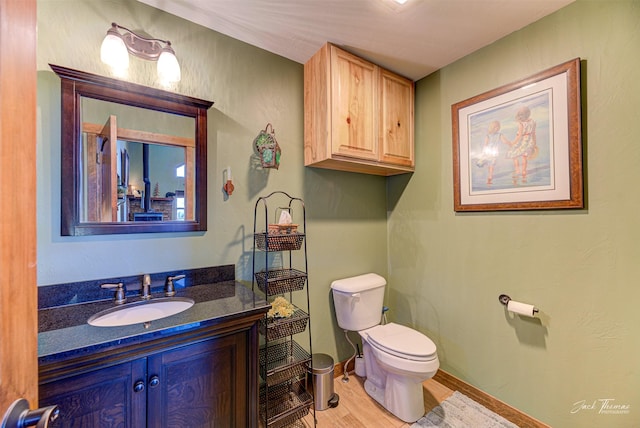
<point>148,48</point>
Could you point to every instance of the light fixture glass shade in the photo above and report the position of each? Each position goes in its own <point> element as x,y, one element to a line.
<point>113,51</point>
<point>168,67</point>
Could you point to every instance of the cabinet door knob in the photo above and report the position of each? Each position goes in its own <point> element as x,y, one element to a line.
<point>154,381</point>
<point>138,386</point>
<point>349,120</point>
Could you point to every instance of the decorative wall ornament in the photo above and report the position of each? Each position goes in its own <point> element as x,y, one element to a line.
<point>268,148</point>
<point>519,147</point>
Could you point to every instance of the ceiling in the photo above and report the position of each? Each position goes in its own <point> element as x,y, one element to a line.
<point>414,39</point>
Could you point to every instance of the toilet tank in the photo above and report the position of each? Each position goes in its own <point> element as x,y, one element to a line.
<point>358,301</point>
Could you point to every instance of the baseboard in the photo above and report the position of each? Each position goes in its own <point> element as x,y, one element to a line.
<point>453,383</point>
<point>338,368</point>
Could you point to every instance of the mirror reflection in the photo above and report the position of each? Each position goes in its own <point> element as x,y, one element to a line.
<point>147,175</point>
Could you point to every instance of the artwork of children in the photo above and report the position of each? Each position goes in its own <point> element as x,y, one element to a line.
<point>518,146</point>
<point>510,145</point>
<point>491,149</point>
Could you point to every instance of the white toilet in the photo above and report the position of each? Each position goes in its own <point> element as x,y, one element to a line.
<point>397,359</point>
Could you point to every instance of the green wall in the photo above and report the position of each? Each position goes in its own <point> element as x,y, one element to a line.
<point>580,268</point>
<point>346,213</point>
<point>445,270</point>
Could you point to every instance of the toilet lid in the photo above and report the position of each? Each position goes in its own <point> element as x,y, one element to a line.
<point>402,341</point>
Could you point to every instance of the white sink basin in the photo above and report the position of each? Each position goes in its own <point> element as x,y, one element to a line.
<point>140,312</point>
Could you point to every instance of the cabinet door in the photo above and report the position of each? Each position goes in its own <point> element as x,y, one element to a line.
<point>201,385</point>
<point>353,96</point>
<point>104,398</point>
<point>396,123</point>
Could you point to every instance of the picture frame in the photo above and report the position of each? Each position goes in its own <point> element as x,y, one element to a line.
<point>519,146</point>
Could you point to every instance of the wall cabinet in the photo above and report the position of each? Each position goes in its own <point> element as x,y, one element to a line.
<point>207,383</point>
<point>358,116</point>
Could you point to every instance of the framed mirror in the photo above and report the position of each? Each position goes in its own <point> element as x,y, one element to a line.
<point>134,158</point>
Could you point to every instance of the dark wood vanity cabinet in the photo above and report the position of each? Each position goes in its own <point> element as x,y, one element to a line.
<point>103,398</point>
<point>204,383</point>
<point>199,385</point>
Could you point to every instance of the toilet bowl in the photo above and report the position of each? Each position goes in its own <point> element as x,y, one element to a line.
<point>397,358</point>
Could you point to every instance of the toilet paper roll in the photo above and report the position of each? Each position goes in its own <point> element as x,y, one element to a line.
<point>521,308</point>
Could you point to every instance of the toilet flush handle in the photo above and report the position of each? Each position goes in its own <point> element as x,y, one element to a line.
<point>355,295</point>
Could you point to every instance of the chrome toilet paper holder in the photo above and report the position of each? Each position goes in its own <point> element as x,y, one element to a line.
<point>504,299</point>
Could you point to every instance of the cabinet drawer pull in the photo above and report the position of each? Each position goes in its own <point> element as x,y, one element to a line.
<point>138,386</point>
<point>154,381</point>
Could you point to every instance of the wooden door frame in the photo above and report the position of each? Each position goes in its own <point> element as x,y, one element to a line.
<point>18,286</point>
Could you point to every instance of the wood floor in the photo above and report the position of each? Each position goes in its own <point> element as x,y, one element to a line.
<point>357,409</point>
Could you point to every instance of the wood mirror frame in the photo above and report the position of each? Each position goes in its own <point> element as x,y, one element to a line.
<point>77,84</point>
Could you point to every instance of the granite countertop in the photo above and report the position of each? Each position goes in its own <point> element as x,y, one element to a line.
<point>64,329</point>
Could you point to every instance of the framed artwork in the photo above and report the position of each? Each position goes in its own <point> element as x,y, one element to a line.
<point>519,147</point>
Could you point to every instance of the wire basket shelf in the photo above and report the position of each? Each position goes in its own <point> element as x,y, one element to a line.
<point>277,328</point>
<point>280,281</point>
<point>280,359</point>
<point>284,404</point>
<point>273,242</point>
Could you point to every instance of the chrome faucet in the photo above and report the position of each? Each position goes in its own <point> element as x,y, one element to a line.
<point>145,291</point>
<point>119,297</point>
<point>170,290</point>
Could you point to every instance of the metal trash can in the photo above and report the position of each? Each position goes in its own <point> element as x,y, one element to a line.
<point>322,371</point>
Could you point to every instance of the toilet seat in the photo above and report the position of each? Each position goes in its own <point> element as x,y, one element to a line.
<point>402,342</point>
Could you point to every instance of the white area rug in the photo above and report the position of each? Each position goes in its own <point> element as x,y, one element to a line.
<point>460,411</point>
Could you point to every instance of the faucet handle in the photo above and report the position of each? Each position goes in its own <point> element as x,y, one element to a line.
<point>145,290</point>
<point>119,297</point>
<point>170,290</point>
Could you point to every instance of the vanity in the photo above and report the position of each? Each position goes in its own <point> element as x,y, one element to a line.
<point>195,368</point>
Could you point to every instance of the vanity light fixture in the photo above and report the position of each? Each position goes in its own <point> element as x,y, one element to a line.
<point>117,46</point>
